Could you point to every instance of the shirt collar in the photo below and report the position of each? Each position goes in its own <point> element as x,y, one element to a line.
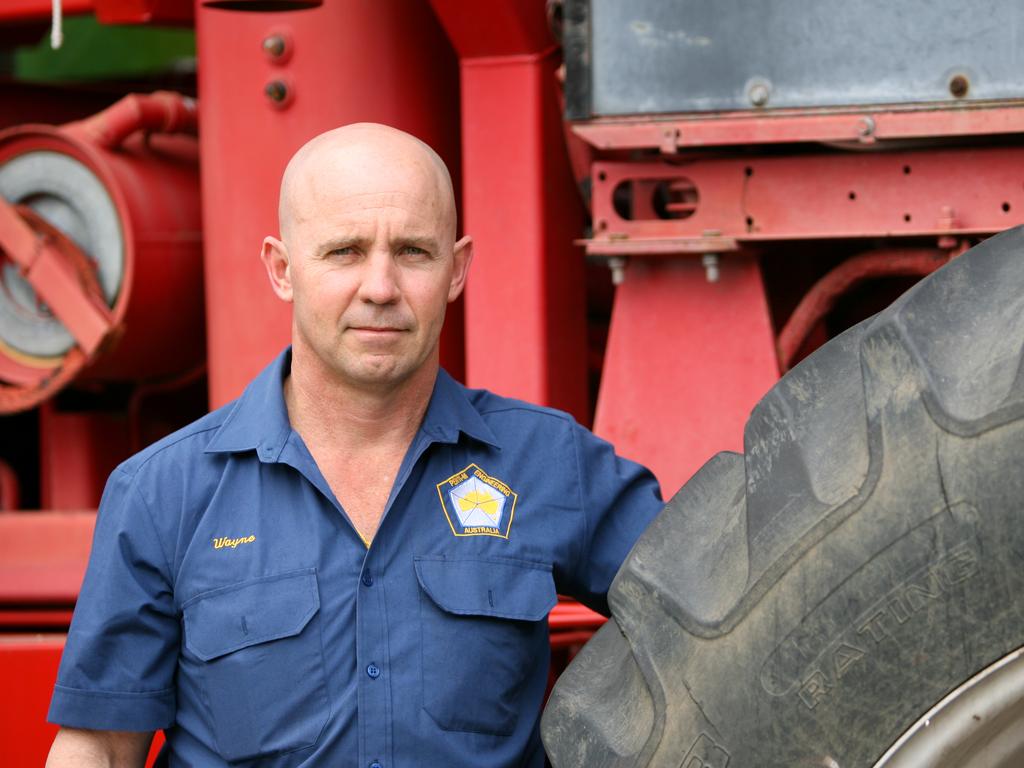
<point>451,412</point>
<point>259,420</point>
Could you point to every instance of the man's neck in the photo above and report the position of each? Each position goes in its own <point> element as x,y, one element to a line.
<point>343,418</point>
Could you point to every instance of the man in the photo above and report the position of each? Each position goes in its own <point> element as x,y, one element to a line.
<point>352,564</point>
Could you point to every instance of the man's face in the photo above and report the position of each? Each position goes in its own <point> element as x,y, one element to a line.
<point>372,265</point>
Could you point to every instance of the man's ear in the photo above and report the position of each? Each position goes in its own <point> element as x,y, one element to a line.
<point>276,260</point>
<point>463,256</point>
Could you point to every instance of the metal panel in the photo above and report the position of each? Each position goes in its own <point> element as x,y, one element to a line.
<point>654,56</point>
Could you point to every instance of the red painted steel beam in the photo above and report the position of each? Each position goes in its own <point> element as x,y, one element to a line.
<point>569,615</point>
<point>28,668</point>
<point>107,11</point>
<point>180,12</point>
<point>495,29</point>
<point>77,452</point>
<point>36,10</point>
<point>687,359</point>
<point>10,488</point>
<point>525,300</point>
<point>19,618</point>
<point>865,126</point>
<point>43,556</point>
<point>809,196</point>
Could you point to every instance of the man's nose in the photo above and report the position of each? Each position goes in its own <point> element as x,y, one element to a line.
<point>380,279</point>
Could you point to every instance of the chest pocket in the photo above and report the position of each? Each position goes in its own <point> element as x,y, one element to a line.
<point>483,634</point>
<point>261,663</point>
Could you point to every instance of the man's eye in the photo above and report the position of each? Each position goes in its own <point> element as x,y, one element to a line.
<point>412,250</point>
<point>345,250</point>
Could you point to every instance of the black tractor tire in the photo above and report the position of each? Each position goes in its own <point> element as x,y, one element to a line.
<point>806,602</point>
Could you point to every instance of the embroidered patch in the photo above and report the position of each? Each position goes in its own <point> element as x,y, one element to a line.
<point>477,504</point>
<point>226,541</point>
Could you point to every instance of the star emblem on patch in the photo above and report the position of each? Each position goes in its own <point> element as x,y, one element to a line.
<point>477,504</point>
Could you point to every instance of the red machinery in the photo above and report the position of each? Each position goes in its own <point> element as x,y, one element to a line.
<point>727,231</point>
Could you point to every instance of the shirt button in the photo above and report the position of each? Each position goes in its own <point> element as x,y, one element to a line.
<point>373,671</point>
<point>367,579</point>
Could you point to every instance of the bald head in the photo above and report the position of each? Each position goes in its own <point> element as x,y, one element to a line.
<point>363,158</point>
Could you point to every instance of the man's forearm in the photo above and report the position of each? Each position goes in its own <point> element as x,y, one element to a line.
<point>76,748</point>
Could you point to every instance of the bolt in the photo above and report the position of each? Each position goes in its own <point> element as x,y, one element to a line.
<point>710,262</point>
<point>758,94</point>
<point>866,128</point>
<point>670,141</point>
<point>617,264</point>
<point>958,86</point>
<point>276,91</point>
<point>274,46</point>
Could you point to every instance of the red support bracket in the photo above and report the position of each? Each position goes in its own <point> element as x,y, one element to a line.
<point>46,259</point>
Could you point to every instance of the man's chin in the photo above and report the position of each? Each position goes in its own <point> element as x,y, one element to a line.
<point>379,371</point>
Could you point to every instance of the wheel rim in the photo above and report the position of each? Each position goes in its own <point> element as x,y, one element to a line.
<point>978,725</point>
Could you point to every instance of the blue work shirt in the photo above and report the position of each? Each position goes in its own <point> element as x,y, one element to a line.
<point>229,600</point>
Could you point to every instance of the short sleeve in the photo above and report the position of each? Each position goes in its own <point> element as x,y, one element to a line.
<point>117,670</point>
<point>618,499</point>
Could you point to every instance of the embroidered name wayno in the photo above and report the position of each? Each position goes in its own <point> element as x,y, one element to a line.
<point>226,541</point>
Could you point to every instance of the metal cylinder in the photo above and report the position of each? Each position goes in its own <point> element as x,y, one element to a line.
<point>101,263</point>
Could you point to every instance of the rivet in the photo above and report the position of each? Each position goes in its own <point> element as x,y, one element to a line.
<point>274,46</point>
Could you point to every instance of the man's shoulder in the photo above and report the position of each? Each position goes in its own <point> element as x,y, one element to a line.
<point>491,405</point>
<point>181,447</point>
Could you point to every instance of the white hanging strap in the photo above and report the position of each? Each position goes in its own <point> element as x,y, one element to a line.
<point>57,27</point>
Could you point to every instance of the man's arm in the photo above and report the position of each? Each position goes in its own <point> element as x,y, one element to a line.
<point>77,748</point>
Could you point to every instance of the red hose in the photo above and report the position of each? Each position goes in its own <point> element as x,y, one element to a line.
<point>823,294</point>
<point>159,112</point>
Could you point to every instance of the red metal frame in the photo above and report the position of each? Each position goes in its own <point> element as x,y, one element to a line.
<point>35,10</point>
<point>43,557</point>
<point>28,668</point>
<point>77,452</point>
<point>862,125</point>
<point>686,361</point>
<point>10,488</point>
<point>107,11</point>
<point>525,300</point>
<point>740,200</point>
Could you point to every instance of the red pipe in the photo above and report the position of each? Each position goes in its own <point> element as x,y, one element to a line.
<point>818,302</point>
<point>158,112</point>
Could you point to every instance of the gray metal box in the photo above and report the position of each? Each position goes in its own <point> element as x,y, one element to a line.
<point>631,57</point>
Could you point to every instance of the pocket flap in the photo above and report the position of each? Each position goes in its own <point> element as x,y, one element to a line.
<point>488,586</point>
<point>227,619</point>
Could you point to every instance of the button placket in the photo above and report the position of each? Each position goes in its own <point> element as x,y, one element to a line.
<point>371,643</point>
